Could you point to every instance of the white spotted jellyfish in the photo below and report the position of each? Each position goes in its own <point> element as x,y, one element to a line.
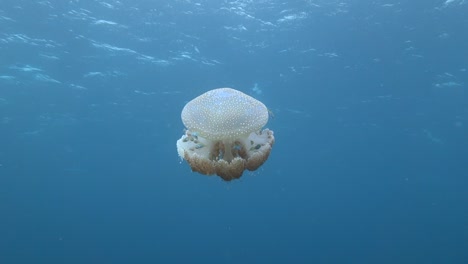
<point>224,134</point>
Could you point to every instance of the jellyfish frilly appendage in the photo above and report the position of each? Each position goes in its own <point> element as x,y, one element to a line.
<point>224,134</point>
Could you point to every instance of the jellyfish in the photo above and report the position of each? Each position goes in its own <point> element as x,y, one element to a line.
<point>224,134</point>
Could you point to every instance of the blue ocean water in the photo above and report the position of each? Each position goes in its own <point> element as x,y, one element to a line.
<point>370,110</point>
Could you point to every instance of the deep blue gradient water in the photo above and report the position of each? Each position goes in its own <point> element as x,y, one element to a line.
<point>370,104</point>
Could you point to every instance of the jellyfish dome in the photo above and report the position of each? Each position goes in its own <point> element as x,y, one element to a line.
<point>224,133</point>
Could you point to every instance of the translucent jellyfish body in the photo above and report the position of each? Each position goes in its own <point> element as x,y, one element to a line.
<point>224,133</point>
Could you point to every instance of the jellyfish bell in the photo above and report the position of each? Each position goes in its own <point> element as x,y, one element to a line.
<point>224,133</point>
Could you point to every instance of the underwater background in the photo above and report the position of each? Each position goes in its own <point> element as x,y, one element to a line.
<point>370,109</point>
